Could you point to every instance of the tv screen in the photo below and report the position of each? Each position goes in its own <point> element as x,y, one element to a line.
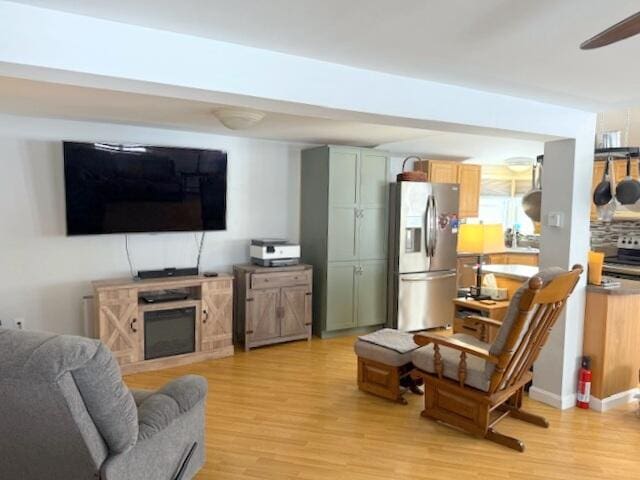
<point>140,188</point>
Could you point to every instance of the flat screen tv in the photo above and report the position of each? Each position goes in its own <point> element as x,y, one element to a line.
<point>113,188</point>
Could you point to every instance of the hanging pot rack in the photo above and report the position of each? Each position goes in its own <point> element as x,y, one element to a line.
<point>601,154</point>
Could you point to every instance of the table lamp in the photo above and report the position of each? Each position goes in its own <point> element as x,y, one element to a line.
<point>480,239</point>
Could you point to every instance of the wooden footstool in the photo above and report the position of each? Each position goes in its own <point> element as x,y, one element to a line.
<point>384,364</point>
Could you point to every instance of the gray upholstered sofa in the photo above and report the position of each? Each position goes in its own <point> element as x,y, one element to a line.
<point>66,414</point>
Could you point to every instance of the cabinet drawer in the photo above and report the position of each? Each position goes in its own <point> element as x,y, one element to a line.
<point>469,327</point>
<point>280,279</point>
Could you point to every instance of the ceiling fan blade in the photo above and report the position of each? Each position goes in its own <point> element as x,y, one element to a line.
<point>626,28</point>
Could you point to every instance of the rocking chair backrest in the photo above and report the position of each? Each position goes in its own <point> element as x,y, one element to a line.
<point>532,313</point>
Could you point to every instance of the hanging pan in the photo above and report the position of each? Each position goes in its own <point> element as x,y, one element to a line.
<point>602,193</point>
<point>628,190</point>
<point>532,200</point>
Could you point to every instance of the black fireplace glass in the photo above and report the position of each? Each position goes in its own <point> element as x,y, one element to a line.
<point>169,332</point>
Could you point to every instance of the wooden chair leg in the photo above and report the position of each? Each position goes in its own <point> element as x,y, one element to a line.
<point>520,414</point>
<point>504,440</point>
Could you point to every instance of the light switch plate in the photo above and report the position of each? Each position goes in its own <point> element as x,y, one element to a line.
<point>555,219</point>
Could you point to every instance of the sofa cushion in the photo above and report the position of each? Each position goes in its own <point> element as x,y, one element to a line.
<point>423,359</point>
<point>108,400</point>
<point>42,356</point>
<point>380,354</point>
<point>159,409</point>
<point>47,357</point>
<point>511,315</point>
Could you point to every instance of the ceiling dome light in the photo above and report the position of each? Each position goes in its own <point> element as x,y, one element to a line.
<point>238,118</point>
<point>519,164</point>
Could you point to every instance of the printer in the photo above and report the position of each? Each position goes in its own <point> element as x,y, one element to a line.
<point>274,252</point>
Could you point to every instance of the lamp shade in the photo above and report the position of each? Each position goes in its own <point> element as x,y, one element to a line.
<point>481,238</point>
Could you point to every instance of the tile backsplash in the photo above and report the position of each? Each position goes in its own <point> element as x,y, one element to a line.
<point>606,234</point>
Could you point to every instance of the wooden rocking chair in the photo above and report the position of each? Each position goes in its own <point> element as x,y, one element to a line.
<point>473,385</point>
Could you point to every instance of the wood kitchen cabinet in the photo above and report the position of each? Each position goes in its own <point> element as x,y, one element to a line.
<point>344,236</point>
<point>611,333</point>
<point>469,178</point>
<point>467,175</point>
<point>272,304</point>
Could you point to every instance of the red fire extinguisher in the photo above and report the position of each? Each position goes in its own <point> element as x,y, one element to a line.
<point>584,383</point>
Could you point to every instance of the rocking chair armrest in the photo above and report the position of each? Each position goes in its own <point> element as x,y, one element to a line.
<point>423,339</point>
<point>491,322</point>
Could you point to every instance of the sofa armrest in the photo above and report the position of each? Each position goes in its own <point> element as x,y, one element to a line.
<point>161,408</point>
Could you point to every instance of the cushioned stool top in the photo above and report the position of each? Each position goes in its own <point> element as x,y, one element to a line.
<point>387,346</point>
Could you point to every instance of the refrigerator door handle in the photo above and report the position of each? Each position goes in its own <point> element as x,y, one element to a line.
<point>427,232</point>
<point>435,225</point>
<point>428,279</point>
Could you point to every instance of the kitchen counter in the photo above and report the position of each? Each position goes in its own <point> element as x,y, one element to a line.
<point>511,251</point>
<point>515,272</point>
<point>627,287</point>
<point>525,250</point>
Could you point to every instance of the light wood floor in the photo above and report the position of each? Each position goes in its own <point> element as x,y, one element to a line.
<point>293,411</point>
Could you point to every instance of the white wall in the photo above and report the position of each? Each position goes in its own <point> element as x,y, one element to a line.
<point>44,274</point>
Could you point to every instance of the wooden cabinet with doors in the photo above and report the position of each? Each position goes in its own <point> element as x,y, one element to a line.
<point>469,178</point>
<point>217,314</point>
<point>467,175</point>
<point>124,320</point>
<point>356,295</point>
<point>344,235</point>
<point>272,304</point>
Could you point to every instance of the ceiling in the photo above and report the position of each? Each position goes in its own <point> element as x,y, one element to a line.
<point>465,147</point>
<point>43,99</point>
<point>521,48</point>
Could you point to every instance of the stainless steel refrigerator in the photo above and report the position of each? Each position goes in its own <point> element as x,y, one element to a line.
<point>423,235</point>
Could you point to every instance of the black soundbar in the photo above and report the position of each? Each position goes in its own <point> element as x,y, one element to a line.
<point>167,272</point>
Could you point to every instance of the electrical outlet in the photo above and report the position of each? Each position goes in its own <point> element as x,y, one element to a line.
<point>7,323</point>
<point>13,323</point>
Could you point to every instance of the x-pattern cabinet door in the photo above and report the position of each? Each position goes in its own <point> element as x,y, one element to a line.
<point>262,320</point>
<point>295,310</point>
<point>217,324</point>
<point>118,317</point>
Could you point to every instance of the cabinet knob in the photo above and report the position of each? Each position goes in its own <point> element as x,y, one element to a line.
<point>307,324</point>
<point>249,332</point>
<point>132,325</point>
<point>205,316</point>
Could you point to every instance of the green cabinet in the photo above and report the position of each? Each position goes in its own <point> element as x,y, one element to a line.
<point>341,290</point>
<point>344,235</point>
<point>371,288</point>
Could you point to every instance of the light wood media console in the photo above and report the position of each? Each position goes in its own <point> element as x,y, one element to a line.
<point>120,314</point>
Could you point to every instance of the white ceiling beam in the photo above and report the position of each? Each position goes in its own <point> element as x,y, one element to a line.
<point>51,45</point>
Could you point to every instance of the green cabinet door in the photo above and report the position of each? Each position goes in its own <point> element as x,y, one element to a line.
<point>340,296</point>
<point>343,200</point>
<point>341,240</point>
<point>372,294</point>
<point>372,233</point>
<point>343,176</point>
<point>372,227</point>
<point>374,179</point>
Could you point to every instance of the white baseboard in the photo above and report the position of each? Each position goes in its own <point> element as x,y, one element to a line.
<point>564,402</point>
<point>622,398</point>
